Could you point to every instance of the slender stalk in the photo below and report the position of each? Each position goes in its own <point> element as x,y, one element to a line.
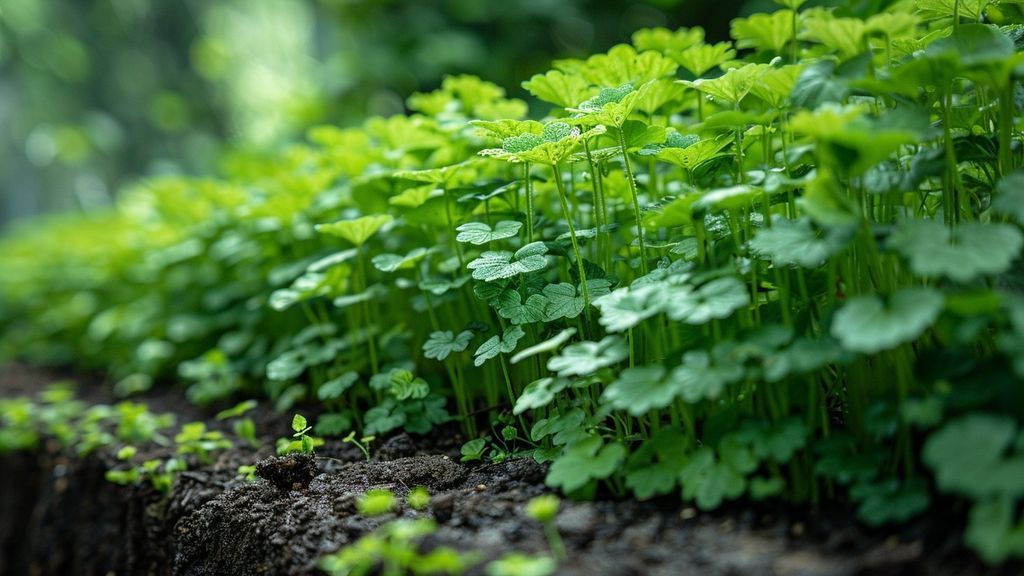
<point>528,193</point>
<point>636,203</point>
<point>572,235</point>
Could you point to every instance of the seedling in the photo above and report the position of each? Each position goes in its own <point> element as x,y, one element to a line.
<point>376,502</point>
<point>544,509</point>
<point>418,498</point>
<point>363,443</point>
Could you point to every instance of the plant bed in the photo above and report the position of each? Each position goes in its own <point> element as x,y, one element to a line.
<point>59,515</point>
<point>779,276</point>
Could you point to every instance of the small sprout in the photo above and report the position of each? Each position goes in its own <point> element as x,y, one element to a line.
<point>376,503</point>
<point>363,443</point>
<point>517,564</point>
<point>418,498</point>
<point>474,449</point>
<point>247,472</point>
<point>126,453</point>
<point>544,509</point>
<point>302,442</point>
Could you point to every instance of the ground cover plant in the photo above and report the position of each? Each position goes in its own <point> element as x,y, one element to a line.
<point>782,267</point>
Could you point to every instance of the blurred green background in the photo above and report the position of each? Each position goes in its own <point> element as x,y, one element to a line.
<point>96,93</point>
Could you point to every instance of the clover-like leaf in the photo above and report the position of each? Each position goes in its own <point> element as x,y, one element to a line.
<point>804,355</point>
<point>492,266</point>
<point>975,456</point>
<point>700,58</point>
<point>566,300</point>
<point>867,324</point>
<point>356,231</point>
<point>394,262</point>
<point>511,307</point>
<point>655,467</point>
<point>624,308</point>
<point>697,379</point>
<point>1009,199</point>
<point>504,344</point>
<point>585,358</point>
<point>640,389</point>
<point>797,243</point>
<point>709,479</point>
<point>590,459</point>
<point>715,300</point>
<point>546,346</point>
<point>336,387</point>
<point>478,233</point>
<point>539,394</point>
<point>972,250</point>
<point>559,88</point>
<point>770,32</point>
<point>443,343</point>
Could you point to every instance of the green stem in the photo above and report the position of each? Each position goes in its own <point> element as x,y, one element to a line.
<point>572,235</point>
<point>529,202</point>
<point>636,203</point>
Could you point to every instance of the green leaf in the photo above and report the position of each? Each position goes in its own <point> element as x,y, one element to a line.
<point>511,307</point>
<point>394,262</point>
<point>717,299</point>
<point>796,243</point>
<point>890,501</point>
<point>974,44</point>
<point>703,57</point>
<point>492,266</point>
<point>299,423</point>
<point>539,393</point>
<point>441,344</point>
<point>972,250</point>
<point>585,358</point>
<point>356,231</point>
<point>971,457</point>
<point>335,387</point>
<point>845,36</point>
<point>803,356</point>
<point>590,459</point>
<point>559,88</point>
<point>1009,199</point>
<point>709,480</point>
<point>991,531</point>
<point>505,344</point>
<point>697,379</point>
<point>866,324</point>
<point>771,32</point>
<point>478,233</point>
<point>546,346</point>
<point>624,65</point>
<point>566,300</point>
<point>639,390</point>
<point>655,467</point>
<point>473,450</point>
<point>518,564</point>
<point>626,307</point>
<point>404,385</point>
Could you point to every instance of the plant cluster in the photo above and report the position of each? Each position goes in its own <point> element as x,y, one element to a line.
<point>786,266</point>
<point>127,426</point>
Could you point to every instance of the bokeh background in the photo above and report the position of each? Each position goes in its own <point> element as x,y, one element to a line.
<point>96,93</point>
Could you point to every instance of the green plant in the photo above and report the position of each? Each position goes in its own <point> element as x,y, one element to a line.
<point>363,443</point>
<point>544,509</point>
<point>392,549</point>
<point>301,442</point>
<point>376,502</point>
<point>779,267</point>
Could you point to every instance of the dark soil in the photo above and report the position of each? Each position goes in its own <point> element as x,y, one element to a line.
<point>59,516</point>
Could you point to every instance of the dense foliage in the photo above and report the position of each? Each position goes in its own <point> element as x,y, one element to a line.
<point>785,266</point>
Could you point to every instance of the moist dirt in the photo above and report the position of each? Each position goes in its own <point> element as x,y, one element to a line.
<point>59,516</point>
